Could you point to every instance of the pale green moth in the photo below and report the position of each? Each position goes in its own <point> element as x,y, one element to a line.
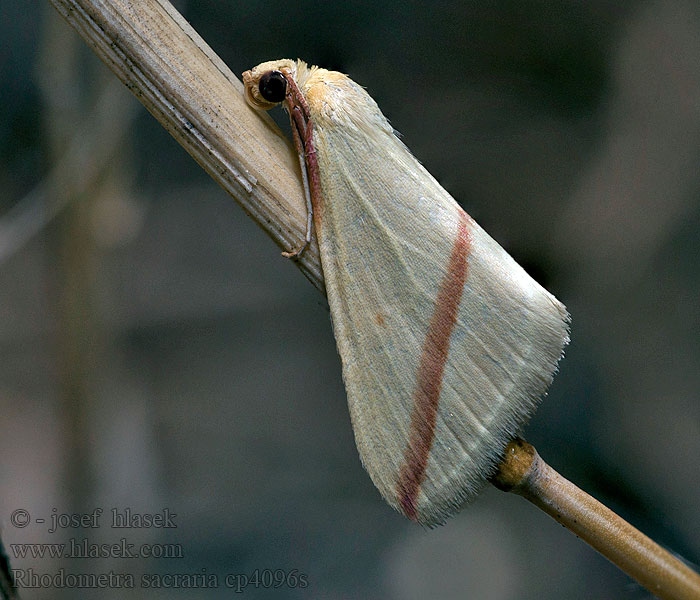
<point>447,344</point>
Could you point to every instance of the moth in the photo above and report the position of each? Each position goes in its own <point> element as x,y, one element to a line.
<point>446,343</point>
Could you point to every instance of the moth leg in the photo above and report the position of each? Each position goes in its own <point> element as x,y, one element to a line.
<point>298,129</point>
<point>309,211</point>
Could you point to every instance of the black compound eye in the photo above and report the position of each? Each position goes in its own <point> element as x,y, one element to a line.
<point>273,86</point>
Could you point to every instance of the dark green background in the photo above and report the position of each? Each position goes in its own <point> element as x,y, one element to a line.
<point>209,382</point>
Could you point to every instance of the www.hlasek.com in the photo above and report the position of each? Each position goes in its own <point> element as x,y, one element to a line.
<point>238,583</point>
<point>83,548</point>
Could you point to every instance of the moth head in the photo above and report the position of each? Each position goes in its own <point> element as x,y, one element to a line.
<point>266,84</point>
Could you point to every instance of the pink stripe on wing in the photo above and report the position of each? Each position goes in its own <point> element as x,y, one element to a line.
<point>430,371</point>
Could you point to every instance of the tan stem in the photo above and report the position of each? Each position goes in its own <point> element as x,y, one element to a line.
<point>523,472</point>
<point>194,95</point>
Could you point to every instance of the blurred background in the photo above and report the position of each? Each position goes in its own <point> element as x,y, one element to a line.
<point>157,352</point>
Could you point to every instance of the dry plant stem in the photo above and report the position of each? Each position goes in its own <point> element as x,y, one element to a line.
<point>523,472</point>
<point>194,95</point>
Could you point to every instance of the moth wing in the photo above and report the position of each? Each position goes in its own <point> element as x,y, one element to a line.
<point>479,356</point>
